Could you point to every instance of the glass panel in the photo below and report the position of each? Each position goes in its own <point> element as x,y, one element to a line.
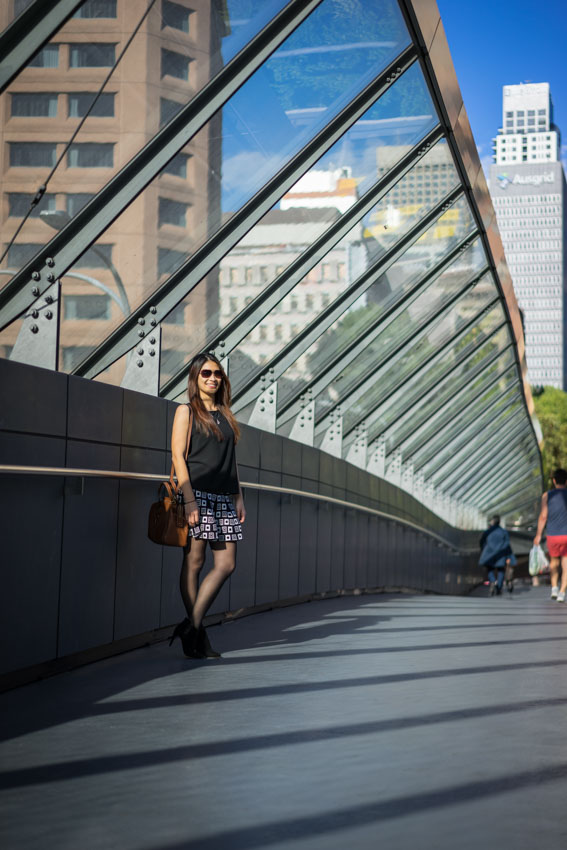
<point>470,476</point>
<point>269,119</point>
<point>358,251</point>
<point>499,394</point>
<point>425,428</point>
<point>400,428</point>
<point>386,132</point>
<point>374,398</point>
<point>398,328</point>
<point>73,68</point>
<point>472,437</point>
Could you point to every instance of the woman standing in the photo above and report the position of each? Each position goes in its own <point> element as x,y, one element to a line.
<point>214,506</point>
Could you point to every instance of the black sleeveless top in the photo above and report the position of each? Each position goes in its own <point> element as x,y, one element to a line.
<point>212,464</point>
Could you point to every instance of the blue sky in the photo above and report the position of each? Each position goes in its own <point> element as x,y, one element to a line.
<point>499,42</point>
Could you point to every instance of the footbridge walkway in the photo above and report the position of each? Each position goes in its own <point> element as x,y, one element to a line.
<point>392,720</point>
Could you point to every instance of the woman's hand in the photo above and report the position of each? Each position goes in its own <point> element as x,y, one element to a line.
<point>192,513</point>
<point>537,539</point>
<point>240,509</point>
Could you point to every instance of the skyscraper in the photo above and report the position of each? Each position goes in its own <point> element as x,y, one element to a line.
<point>527,185</point>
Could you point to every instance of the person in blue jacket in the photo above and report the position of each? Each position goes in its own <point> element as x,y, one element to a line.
<point>496,554</point>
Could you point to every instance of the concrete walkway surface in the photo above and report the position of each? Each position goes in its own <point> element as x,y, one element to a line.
<point>399,721</point>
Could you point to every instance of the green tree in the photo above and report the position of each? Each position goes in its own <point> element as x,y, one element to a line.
<point>551,411</point>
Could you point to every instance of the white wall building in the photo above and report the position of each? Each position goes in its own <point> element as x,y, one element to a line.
<point>528,190</point>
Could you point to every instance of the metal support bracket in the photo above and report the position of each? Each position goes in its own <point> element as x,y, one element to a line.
<point>332,441</point>
<point>394,469</point>
<point>143,365</point>
<point>303,429</point>
<point>377,460</point>
<point>264,413</point>
<point>359,448</point>
<point>38,340</point>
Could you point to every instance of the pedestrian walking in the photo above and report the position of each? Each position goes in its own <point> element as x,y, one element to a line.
<point>212,496</point>
<point>496,554</point>
<point>553,519</point>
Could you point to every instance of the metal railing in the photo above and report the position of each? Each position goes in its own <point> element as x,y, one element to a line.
<point>69,472</point>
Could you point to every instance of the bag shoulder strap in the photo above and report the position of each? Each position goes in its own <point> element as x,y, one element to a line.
<point>187,447</point>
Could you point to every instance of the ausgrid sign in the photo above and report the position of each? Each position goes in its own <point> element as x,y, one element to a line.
<point>525,179</point>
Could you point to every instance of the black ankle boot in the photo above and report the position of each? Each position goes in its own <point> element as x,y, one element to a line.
<point>204,645</point>
<point>188,635</point>
<point>180,630</point>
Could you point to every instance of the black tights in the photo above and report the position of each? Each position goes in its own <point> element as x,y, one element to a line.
<point>199,598</point>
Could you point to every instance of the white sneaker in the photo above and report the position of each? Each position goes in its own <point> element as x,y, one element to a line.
<point>561,597</point>
<point>554,592</point>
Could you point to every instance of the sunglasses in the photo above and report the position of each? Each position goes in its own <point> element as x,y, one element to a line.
<point>206,373</point>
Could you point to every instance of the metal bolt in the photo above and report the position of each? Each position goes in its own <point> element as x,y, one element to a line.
<point>153,340</point>
<point>50,277</point>
<point>35,314</point>
<point>50,262</point>
<point>152,352</point>
<point>262,409</point>
<point>153,310</point>
<point>49,299</point>
<point>34,329</point>
<point>141,334</point>
<point>271,401</point>
<point>35,291</point>
<point>221,344</point>
<point>49,314</point>
<point>141,321</point>
<point>36,276</point>
<point>140,363</point>
<point>140,351</point>
<point>153,323</point>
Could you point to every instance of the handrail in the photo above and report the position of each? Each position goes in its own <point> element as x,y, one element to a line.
<point>71,472</point>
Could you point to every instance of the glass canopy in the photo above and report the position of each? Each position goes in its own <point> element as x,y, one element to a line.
<point>275,182</point>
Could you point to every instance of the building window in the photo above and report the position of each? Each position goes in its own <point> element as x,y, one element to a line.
<point>309,302</point>
<point>99,55</point>
<point>77,201</point>
<point>34,105</point>
<point>176,316</point>
<point>531,121</point>
<point>249,275</point>
<point>96,9</point>
<point>175,16</point>
<point>177,166</point>
<point>174,64</point>
<point>293,304</point>
<point>278,332</point>
<point>22,252</point>
<point>233,275</point>
<point>264,274</point>
<point>263,333</point>
<point>91,155</point>
<point>97,257</point>
<point>169,260</point>
<point>47,57</point>
<point>30,154</point>
<point>95,307</point>
<point>19,204</point>
<point>172,212</point>
<point>167,109</point>
<point>233,303</point>
<point>80,103</point>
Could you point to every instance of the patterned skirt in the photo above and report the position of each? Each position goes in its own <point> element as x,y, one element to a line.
<point>218,520</point>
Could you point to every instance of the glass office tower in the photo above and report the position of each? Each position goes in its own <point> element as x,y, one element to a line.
<point>292,185</point>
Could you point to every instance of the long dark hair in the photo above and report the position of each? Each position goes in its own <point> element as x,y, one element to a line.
<point>203,420</point>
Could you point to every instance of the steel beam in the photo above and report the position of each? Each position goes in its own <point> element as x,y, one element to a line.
<point>482,470</point>
<point>429,389</point>
<point>193,270</point>
<point>240,326</point>
<point>462,441</point>
<point>499,399</point>
<point>340,359</point>
<point>96,216</point>
<point>478,456</point>
<point>455,414</point>
<point>364,386</point>
<point>283,360</point>
<point>28,33</point>
<point>444,405</point>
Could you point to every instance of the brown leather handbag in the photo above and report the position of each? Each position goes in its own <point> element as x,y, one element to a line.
<point>167,524</point>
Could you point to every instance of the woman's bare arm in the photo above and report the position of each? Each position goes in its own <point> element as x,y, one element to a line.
<point>178,448</point>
